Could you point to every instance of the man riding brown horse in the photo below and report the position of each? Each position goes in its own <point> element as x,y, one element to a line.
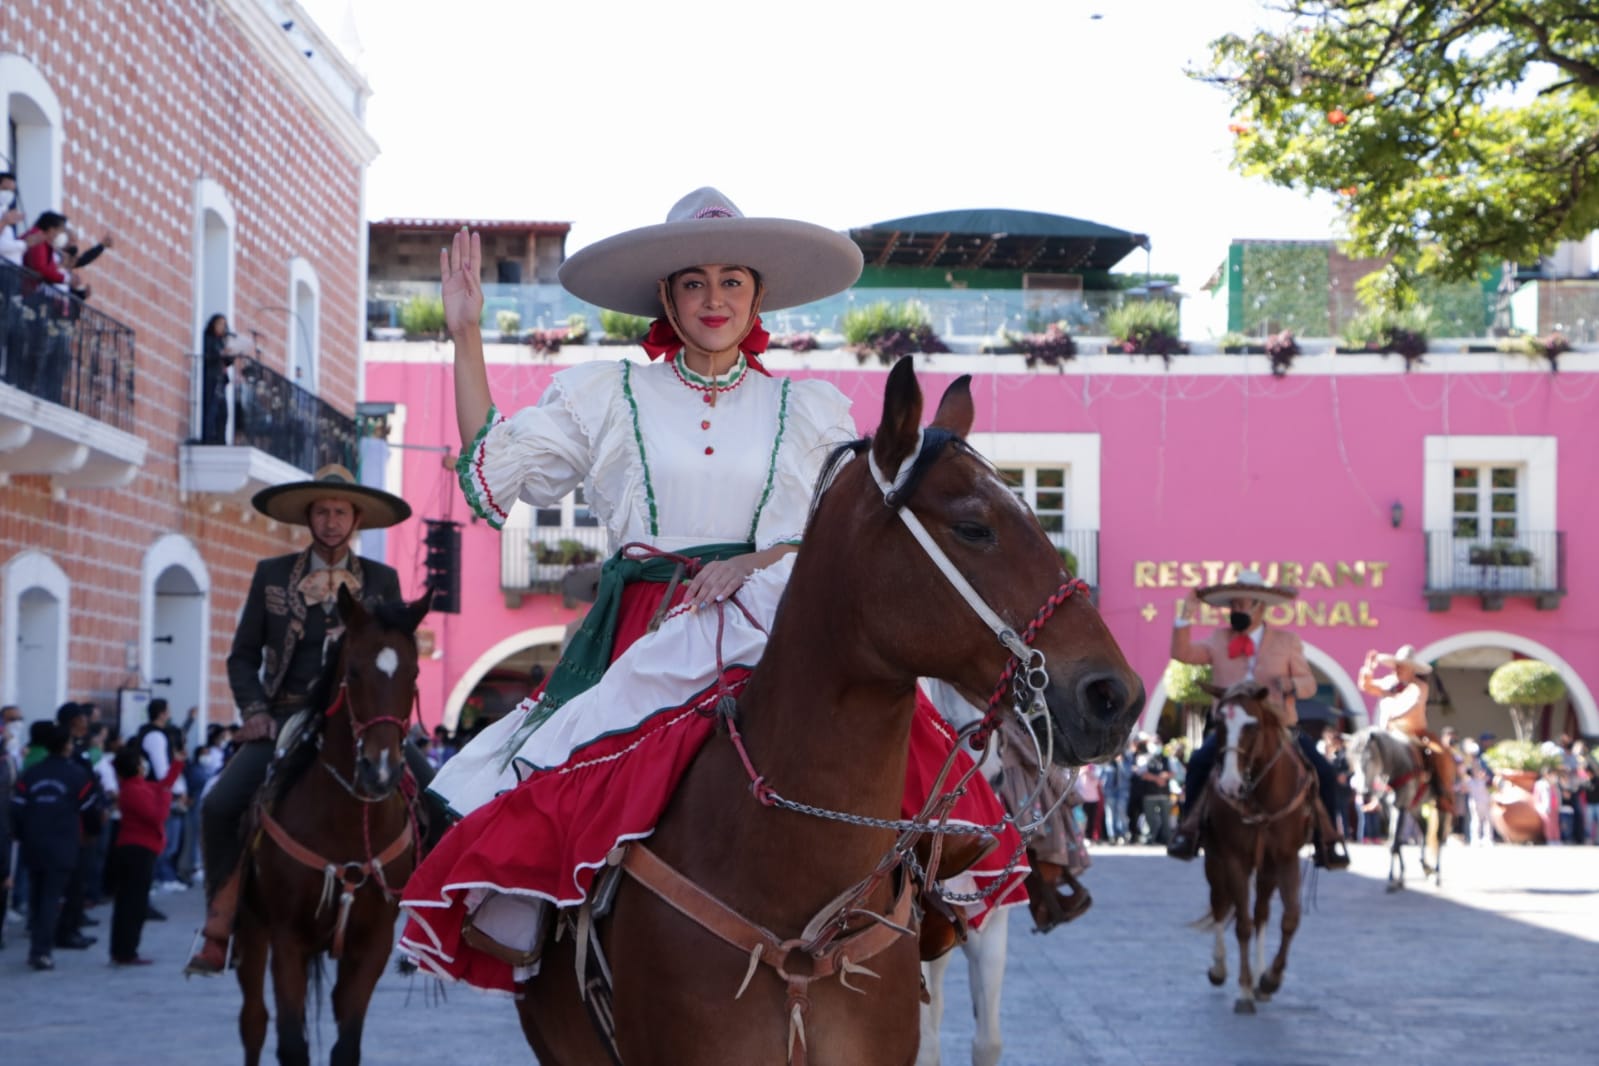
<point>1402,709</point>
<point>279,651</point>
<point>1250,650</point>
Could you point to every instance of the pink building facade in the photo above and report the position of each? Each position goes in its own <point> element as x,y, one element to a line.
<point>1445,507</point>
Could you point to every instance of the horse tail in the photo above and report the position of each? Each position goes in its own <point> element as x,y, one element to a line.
<point>1209,923</point>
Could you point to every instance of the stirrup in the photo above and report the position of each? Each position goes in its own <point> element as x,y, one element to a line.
<point>202,956</point>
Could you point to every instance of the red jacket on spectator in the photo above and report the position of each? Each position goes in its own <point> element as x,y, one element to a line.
<point>145,806</point>
<point>41,259</point>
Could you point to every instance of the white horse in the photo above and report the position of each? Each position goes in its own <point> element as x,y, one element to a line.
<point>984,947</point>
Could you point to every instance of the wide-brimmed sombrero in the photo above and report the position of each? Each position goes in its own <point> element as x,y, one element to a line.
<point>1250,585</point>
<point>798,262</point>
<point>1407,656</point>
<point>288,502</point>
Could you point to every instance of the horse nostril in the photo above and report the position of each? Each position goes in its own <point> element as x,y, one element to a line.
<point>1104,696</point>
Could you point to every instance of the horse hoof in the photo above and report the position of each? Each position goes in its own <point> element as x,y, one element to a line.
<point>1267,987</point>
<point>1244,1006</point>
<point>1216,978</point>
<point>1396,886</point>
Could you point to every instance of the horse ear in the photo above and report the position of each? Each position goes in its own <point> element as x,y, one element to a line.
<point>955,410</point>
<point>1215,690</point>
<point>351,610</point>
<point>417,610</point>
<point>896,434</point>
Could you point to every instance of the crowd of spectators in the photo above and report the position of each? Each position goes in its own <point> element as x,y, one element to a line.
<point>43,290</point>
<point>95,818</point>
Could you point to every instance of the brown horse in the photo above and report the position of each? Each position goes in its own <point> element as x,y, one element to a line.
<point>825,720</point>
<point>336,841</point>
<point>1260,809</point>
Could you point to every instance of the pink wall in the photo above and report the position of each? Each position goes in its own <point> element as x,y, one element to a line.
<point>1195,467</point>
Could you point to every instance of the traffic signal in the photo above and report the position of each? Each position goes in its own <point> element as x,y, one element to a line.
<point>443,540</point>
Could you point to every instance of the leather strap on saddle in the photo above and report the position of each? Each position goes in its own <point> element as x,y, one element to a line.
<point>842,955</point>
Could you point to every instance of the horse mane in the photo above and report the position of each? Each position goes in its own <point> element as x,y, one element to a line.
<point>934,439</point>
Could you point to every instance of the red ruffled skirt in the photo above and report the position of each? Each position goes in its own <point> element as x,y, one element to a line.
<point>548,836</point>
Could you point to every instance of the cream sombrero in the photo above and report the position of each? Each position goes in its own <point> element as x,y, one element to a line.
<point>798,262</point>
<point>288,502</point>
<point>1407,656</point>
<point>1249,585</point>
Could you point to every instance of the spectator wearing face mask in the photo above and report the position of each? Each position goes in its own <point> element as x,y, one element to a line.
<point>45,241</point>
<point>12,243</point>
<point>46,347</point>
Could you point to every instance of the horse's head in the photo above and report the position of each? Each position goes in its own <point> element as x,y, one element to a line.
<point>1003,576</point>
<point>1251,723</point>
<point>378,668</point>
<point>1365,760</point>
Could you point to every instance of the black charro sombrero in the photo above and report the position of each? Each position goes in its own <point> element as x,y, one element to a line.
<point>798,262</point>
<point>288,502</point>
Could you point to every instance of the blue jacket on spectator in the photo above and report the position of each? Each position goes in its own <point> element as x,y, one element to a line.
<point>48,806</point>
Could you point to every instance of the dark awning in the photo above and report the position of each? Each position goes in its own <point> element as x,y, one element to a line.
<point>996,240</point>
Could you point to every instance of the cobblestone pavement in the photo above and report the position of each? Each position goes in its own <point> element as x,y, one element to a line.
<point>1499,966</point>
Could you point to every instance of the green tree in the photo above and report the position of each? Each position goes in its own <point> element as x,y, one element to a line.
<point>1524,686</point>
<point>1455,132</point>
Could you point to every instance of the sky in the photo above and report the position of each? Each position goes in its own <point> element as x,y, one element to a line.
<point>602,114</point>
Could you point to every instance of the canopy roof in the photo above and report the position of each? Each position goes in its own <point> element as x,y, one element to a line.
<point>996,239</point>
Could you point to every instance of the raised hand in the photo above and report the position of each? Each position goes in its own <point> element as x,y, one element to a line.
<point>461,271</point>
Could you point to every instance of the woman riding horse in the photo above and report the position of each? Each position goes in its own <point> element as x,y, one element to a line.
<point>702,466</point>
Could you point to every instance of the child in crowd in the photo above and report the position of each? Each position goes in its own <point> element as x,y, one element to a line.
<point>144,805</point>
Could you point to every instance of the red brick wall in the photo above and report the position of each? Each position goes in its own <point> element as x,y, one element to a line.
<point>156,97</point>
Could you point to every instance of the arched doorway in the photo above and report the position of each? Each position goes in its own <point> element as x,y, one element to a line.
<point>1462,664</point>
<point>502,676</point>
<point>33,634</point>
<point>176,633</point>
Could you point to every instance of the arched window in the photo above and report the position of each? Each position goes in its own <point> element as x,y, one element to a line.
<point>214,229</point>
<point>305,297</point>
<point>32,135</point>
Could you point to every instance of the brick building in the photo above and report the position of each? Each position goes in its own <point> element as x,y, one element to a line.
<point>222,142</point>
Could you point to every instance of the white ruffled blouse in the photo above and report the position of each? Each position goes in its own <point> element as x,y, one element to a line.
<point>658,463</point>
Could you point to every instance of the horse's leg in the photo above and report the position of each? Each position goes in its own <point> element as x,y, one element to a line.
<point>359,972</point>
<point>289,978</point>
<point>1288,889</point>
<point>1430,841</point>
<point>250,947</point>
<point>1396,858</point>
<point>1445,827</point>
<point>927,1053</point>
<point>985,959</point>
<point>1219,909</point>
<point>1244,927</point>
<point>1265,885</point>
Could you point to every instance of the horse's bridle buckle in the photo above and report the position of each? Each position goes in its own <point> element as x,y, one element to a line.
<point>353,875</point>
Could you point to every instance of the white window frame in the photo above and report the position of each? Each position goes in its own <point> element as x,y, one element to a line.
<point>25,571</point>
<point>304,329</point>
<point>1484,491</point>
<point>1538,459</point>
<point>39,149</point>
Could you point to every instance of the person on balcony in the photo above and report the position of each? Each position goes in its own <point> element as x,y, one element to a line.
<point>710,462</point>
<point>45,349</point>
<point>219,410</point>
<point>1402,707</point>
<point>1249,650</point>
<point>288,626</point>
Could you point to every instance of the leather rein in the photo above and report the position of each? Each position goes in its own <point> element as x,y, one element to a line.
<point>1255,814</point>
<point>347,878</point>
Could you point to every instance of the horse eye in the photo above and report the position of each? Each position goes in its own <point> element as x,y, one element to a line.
<point>974,532</point>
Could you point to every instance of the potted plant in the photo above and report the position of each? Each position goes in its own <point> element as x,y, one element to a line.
<point>551,561</point>
<point>623,328</point>
<point>1500,553</point>
<point>1524,686</point>
<point>1550,347</point>
<point>890,331</point>
<point>797,342</point>
<point>1068,559</point>
<point>1146,327</point>
<point>509,323</point>
<point>1054,346</point>
<point>423,317</point>
<point>1233,343</point>
<point>577,328</point>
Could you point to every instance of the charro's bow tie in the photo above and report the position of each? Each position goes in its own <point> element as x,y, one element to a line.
<point>1240,647</point>
<point>322,586</point>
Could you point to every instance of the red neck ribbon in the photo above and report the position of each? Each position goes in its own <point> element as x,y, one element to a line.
<point>663,340</point>
<point>1240,646</point>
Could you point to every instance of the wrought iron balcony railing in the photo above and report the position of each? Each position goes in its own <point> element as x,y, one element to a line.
<point>535,559</point>
<point>1083,544</point>
<point>60,349</point>
<point>244,403</point>
<point>1528,564</point>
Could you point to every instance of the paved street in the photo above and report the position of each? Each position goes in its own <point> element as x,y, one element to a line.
<point>1498,967</point>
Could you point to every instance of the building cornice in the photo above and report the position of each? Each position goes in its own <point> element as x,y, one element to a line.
<point>281,53</point>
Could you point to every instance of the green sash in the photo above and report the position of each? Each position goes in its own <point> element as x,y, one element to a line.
<point>589,654</point>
